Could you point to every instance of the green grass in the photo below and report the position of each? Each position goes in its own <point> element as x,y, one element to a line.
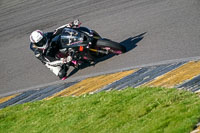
<point>140,110</point>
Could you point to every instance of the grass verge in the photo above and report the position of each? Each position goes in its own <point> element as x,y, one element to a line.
<point>142,110</point>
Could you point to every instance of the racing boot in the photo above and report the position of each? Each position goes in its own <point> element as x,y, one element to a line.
<point>63,72</point>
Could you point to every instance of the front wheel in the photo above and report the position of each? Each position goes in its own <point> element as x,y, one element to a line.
<point>110,46</point>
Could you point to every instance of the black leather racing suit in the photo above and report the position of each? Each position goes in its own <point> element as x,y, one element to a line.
<point>48,54</point>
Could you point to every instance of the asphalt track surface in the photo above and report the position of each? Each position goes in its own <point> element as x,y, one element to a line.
<point>152,31</point>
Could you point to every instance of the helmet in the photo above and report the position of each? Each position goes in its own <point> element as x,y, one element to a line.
<point>38,38</point>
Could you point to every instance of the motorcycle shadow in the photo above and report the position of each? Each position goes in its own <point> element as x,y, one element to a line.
<point>129,44</point>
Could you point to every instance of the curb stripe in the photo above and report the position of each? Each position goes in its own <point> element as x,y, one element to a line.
<point>91,84</point>
<point>16,99</point>
<point>183,75</point>
<point>45,92</point>
<point>56,90</point>
<point>4,99</point>
<point>160,70</point>
<point>136,77</point>
<point>192,85</point>
<point>38,93</point>
<point>122,81</point>
<point>185,72</point>
<point>107,79</point>
<point>141,76</point>
<point>32,96</point>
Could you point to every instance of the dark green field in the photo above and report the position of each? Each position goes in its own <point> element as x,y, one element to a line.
<point>140,110</point>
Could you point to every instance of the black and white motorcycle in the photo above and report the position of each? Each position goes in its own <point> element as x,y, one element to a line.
<point>80,45</point>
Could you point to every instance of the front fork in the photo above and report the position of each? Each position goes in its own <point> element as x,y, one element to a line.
<point>81,57</point>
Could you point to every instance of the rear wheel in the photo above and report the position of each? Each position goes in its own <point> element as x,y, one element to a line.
<point>110,46</point>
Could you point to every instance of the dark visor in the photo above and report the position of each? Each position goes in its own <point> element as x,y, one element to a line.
<point>41,42</point>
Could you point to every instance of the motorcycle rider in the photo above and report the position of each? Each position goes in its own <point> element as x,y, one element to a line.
<point>45,49</point>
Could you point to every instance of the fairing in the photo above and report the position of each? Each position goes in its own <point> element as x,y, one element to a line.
<point>70,37</point>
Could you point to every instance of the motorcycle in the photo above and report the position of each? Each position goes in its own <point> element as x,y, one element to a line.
<point>80,45</point>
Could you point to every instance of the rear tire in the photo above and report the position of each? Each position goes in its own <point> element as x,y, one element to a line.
<point>114,46</point>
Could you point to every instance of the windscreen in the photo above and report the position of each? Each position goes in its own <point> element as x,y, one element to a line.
<point>70,37</point>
